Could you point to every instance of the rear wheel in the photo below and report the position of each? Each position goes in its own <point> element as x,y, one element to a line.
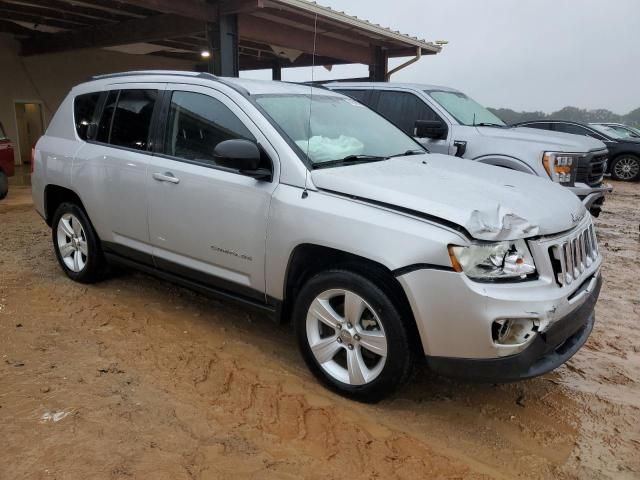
<point>76,244</point>
<point>626,168</point>
<point>4,185</point>
<point>352,336</point>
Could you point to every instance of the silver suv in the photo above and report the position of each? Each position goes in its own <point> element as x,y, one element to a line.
<point>446,121</point>
<point>307,205</point>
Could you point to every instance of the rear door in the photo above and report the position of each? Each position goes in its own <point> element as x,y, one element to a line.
<point>110,170</point>
<point>207,222</point>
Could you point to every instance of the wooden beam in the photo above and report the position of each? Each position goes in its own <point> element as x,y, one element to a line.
<point>198,9</point>
<point>62,7</point>
<point>10,9</point>
<point>273,33</point>
<point>228,7</point>
<point>159,27</point>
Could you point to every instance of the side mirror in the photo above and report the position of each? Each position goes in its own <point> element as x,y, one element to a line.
<point>241,155</point>
<point>433,129</point>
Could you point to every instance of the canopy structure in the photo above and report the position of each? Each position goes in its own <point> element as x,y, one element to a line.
<point>223,36</point>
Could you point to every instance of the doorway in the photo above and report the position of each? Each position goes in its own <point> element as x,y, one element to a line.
<point>30,127</point>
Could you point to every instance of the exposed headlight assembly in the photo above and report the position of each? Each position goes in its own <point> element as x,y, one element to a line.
<point>559,166</point>
<point>493,261</point>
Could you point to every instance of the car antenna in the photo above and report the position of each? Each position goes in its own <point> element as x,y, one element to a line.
<point>305,192</point>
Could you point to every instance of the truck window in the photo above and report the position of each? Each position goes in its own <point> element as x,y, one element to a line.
<point>403,109</point>
<point>359,95</point>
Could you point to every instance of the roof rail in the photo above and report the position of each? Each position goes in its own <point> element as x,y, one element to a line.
<point>176,73</point>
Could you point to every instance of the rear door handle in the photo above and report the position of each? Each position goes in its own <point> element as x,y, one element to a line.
<point>166,177</point>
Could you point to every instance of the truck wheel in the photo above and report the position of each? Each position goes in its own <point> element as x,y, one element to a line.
<point>352,336</point>
<point>626,168</point>
<point>76,244</point>
<point>4,185</point>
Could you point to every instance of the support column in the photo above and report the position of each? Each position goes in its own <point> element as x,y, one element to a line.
<point>222,38</point>
<point>379,65</point>
<point>276,70</point>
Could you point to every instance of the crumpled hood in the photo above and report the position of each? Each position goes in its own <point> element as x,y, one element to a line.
<point>491,203</point>
<point>563,142</point>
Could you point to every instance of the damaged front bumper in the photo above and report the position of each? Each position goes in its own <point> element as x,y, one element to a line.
<point>547,351</point>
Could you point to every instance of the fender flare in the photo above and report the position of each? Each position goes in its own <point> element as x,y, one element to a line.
<point>506,161</point>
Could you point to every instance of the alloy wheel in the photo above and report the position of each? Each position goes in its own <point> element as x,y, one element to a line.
<point>72,243</point>
<point>346,337</point>
<point>627,168</point>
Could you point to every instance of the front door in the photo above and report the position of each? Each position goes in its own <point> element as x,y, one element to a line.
<point>206,222</point>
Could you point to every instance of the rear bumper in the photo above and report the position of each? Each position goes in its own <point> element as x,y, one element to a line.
<point>547,351</point>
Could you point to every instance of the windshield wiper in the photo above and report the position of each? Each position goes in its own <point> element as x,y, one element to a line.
<point>350,160</point>
<point>408,153</point>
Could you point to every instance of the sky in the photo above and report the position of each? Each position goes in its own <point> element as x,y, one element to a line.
<point>520,54</point>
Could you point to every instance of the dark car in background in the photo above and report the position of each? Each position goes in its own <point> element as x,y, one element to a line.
<point>624,151</point>
<point>6,162</point>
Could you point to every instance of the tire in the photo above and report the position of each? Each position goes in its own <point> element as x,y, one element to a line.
<point>626,168</point>
<point>76,244</point>
<point>365,359</point>
<point>4,185</point>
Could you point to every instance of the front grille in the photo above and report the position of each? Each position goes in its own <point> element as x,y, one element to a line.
<point>573,255</point>
<point>591,169</point>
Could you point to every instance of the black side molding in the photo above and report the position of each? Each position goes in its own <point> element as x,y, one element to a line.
<point>420,266</point>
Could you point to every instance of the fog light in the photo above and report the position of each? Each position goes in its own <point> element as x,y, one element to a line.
<point>514,331</point>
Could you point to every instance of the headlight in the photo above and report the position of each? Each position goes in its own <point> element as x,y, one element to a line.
<point>559,166</point>
<point>493,261</point>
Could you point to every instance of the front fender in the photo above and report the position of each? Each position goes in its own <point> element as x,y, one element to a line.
<point>505,161</point>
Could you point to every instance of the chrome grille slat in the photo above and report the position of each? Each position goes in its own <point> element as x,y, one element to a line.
<point>575,254</point>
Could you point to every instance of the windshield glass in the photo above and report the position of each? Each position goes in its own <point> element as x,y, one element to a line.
<point>464,109</point>
<point>338,128</point>
<point>610,132</point>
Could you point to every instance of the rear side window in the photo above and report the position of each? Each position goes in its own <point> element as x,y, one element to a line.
<point>570,128</point>
<point>126,118</point>
<point>84,107</point>
<point>404,109</point>
<point>539,125</point>
<point>197,123</point>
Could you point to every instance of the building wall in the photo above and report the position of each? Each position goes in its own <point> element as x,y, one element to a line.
<point>47,79</point>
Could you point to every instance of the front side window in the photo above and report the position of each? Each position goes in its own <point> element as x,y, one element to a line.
<point>404,109</point>
<point>331,128</point>
<point>126,118</point>
<point>84,107</point>
<point>197,123</point>
<point>464,109</point>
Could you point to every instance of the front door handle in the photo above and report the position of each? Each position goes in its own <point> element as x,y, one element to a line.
<point>166,177</point>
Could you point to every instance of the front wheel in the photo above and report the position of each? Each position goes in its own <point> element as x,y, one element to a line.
<point>352,336</point>
<point>626,168</point>
<point>76,244</point>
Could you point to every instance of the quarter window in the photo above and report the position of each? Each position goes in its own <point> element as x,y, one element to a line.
<point>132,119</point>
<point>84,107</point>
<point>404,109</point>
<point>197,123</point>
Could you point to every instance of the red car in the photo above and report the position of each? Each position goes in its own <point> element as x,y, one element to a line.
<point>6,162</point>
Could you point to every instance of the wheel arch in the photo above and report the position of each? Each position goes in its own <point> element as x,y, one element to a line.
<point>512,163</point>
<point>307,260</point>
<point>54,196</point>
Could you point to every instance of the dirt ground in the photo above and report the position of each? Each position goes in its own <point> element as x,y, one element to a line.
<point>136,378</point>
